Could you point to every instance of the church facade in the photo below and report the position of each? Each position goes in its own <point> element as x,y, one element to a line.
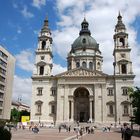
<point>84,92</point>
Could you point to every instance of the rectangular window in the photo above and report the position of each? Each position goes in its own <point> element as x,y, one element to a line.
<point>1,95</point>
<point>124,91</point>
<point>3,63</point>
<point>1,103</point>
<point>2,79</point>
<point>1,87</point>
<point>3,55</point>
<point>110,91</point>
<point>53,89</point>
<point>0,111</point>
<point>2,71</point>
<point>39,90</point>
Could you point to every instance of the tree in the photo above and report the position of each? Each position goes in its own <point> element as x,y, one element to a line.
<point>15,115</point>
<point>134,95</point>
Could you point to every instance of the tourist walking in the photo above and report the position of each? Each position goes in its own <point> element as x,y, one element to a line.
<point>126,132</point>
<point>59,128</point>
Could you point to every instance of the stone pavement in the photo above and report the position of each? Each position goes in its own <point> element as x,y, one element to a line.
<point>53,134</point>
<point>44,134</point>
<point>105,136</point>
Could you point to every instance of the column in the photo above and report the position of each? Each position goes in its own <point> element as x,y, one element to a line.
<point>90,104</point>
<point>90,118</point>
<point>72,110</point>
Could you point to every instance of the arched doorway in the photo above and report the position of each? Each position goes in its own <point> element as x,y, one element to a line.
<point>81,105</point>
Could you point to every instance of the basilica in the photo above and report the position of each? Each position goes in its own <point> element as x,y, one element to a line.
<point>84,92</point>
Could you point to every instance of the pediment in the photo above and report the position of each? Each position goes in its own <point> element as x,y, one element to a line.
<point>81,72</point>
<point>41,63</point>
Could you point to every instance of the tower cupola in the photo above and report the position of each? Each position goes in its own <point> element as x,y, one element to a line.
<point>84,28</point>
<point>120,25</point>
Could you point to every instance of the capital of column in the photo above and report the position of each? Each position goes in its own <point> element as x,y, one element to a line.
<point>71,98</point>
<point>91,98</point>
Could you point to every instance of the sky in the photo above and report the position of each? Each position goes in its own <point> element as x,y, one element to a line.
<point>21,21</point>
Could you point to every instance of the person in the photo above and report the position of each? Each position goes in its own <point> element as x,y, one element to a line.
<point>5,134</point>
<point>126,132</point>
<point>59,128</point>
<point>69,128</point>
<point>35,129</point>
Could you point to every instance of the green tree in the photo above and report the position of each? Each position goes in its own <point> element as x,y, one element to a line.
<point>134,95</point>
<point>15,115</point>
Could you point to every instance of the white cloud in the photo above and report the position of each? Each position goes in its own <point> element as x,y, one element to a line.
<point>19,30</point>
<point>39,3</point>
<point>58,69</point>
<point>15,5</point>
<point>102,18</point>
<point>24,60</point>
<point>22,89</point>
<point>26,13</point>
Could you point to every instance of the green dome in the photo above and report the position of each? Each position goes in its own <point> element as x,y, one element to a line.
<point>85,41</point>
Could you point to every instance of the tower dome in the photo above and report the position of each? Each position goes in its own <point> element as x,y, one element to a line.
<point>85,40</point>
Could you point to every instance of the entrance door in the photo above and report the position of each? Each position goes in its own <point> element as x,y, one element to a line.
<point>82,116</point>
<point>81,105</point>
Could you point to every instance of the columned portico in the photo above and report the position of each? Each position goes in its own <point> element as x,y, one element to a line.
<point>80,106</point>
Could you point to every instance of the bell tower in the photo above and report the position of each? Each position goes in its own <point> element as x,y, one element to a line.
<point>43,61</point>
<point>122,62</point>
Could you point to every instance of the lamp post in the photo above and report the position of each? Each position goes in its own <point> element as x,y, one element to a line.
<point>39,120</point>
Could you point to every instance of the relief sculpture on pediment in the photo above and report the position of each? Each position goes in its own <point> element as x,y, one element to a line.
<point>79,73</point>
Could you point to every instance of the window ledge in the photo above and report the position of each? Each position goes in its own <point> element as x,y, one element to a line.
<point>110,115</point>
<point>39,94</point>
<point>125,115</point>
<point>37,114</point>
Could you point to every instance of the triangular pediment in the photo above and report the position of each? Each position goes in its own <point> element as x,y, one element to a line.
<point>81,72</point>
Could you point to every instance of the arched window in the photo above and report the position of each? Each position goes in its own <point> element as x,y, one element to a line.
<point>52,109</point>
<point>90,65</point>
<point>41,72</point>
<point>111,112</point>
<point>125,108</point>
<point>69,65</point>
<point>125,111</point>
<point>38,107</point>
<point>77,64</point>
<point>43,45</point>
<point>122,41</point>
<point>84,40</point>
<point>84,64</point>
<point>110,105</point>
<point>98,66</point>
<point>123,69</point>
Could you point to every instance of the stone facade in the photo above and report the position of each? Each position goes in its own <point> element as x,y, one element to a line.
<point>82,93</point>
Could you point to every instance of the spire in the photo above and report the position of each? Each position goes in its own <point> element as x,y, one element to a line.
<point>120,25</point>
<point>45,27</point>
<point>84,28</point>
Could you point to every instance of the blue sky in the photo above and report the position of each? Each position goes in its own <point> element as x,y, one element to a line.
<point>22,20</point>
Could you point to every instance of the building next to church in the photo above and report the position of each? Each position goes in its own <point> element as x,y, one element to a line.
<point>84,92</point>
<point>7,66</point>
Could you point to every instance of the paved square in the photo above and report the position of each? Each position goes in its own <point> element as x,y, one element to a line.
<point>53,134</point>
